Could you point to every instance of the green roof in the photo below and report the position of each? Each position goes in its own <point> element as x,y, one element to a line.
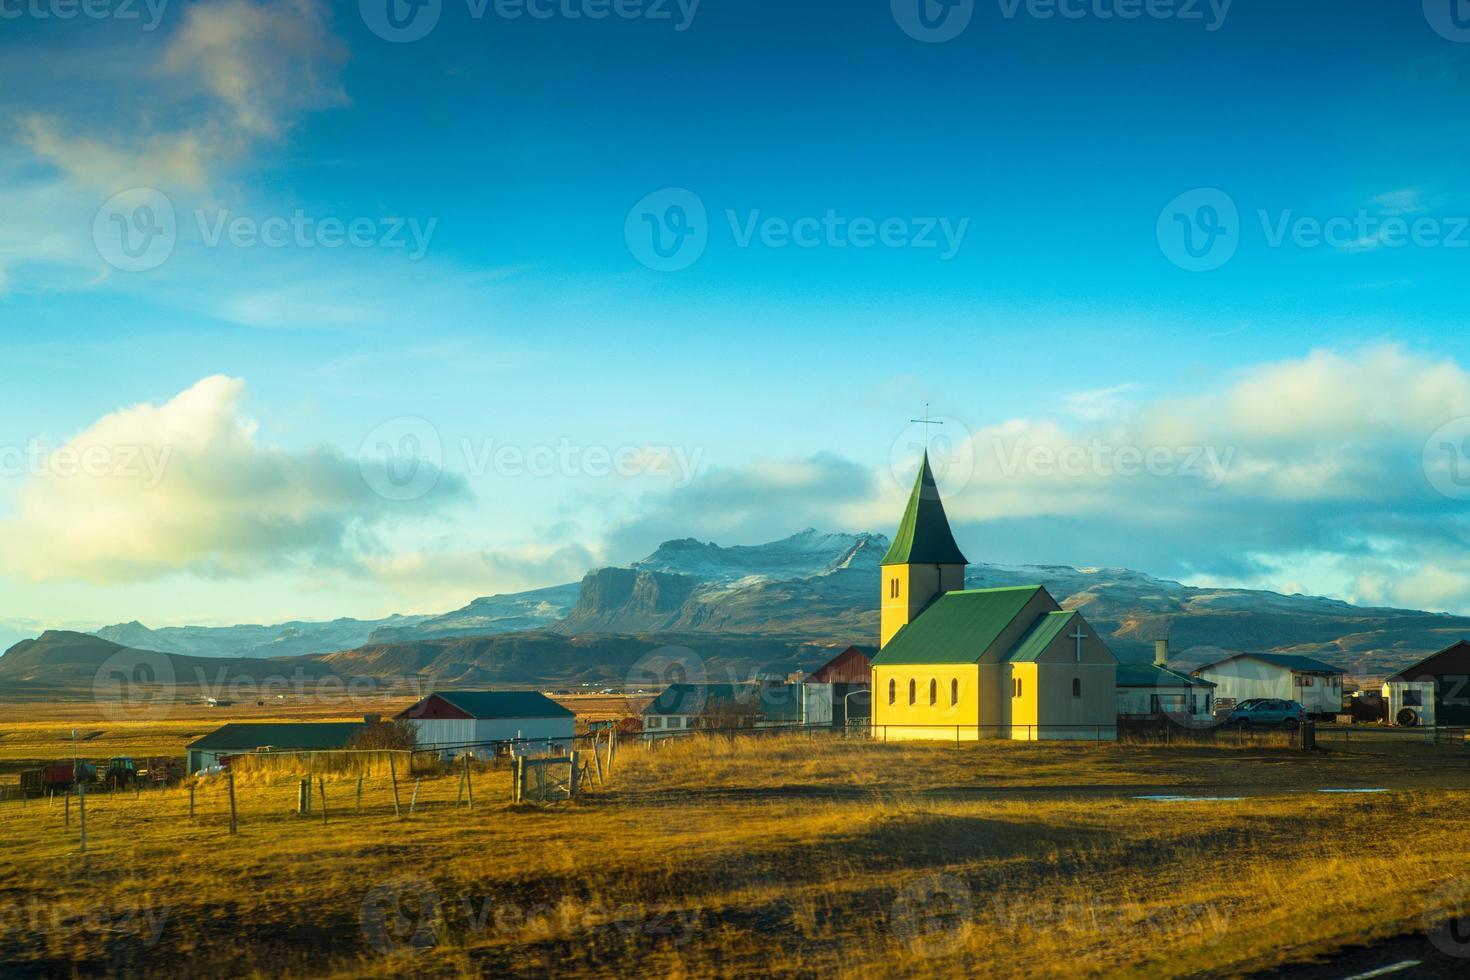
<point>923,536</point>
<point>1152,675</point>
<point>504,704</point>
<point>1035,642</point>
<point>957,627</point>
<point>280,735</point>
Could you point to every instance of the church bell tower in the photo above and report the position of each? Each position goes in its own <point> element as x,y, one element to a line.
<point>923,562</point>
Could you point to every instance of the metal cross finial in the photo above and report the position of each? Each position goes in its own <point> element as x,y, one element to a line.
<point>926,422</point>
<point>1079,636</point>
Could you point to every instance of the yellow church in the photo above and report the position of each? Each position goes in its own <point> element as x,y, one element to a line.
<point>963,664</point>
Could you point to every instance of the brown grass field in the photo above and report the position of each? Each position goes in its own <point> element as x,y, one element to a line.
<point>780,856</point>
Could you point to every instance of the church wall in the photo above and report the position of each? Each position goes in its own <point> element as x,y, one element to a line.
<point>1060,715</point>
<point>941,721</point>
<point>1052,710</point>
<point>1023,700</point>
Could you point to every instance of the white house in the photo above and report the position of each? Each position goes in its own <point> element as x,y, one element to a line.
<point>1153,692</point>
<point>485,722</point>
<point>1316,685</point>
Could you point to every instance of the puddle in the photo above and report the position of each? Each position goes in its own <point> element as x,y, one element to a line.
<point>1352,791</point>
<point>1190,799</point>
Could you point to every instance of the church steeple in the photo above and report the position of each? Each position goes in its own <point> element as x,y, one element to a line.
<point>923,561</point>
<point>923,535</point>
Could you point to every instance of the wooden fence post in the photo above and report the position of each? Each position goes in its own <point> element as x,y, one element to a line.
<point>520,780</point>
<point>302,806</point>
<point>357,807</point>
<point>234,826</point>
<point>414,800</point>
<point>393,774</point>
<point>82,805</point>
<point>597,757</point>
<point>469,783</point>
<point>321,782</point>
<point>576,781</point>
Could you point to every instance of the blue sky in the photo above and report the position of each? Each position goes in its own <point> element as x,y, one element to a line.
<point>1051,147</point>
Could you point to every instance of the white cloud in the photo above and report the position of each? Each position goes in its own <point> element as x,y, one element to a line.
<point>186,486</point>
<point>1299,475</point>
<point>1408,200</point>
<point>1252,482</point>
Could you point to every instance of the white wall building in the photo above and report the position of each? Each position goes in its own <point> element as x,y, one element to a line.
<point>484,722</point>
<point>1153,692</point>
<point>1316,685</point>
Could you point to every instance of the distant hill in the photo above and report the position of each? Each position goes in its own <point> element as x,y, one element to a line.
<point>556,660</point>
<point>812,586</point>
<point>66,663</point>
<point>281,640</point>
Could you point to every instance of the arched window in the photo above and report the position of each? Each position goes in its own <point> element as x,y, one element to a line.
<point>913,689</point>
<point>933,691</point>
<point>892,690</point>
<point>1076,687</point>
<point>954,691</point>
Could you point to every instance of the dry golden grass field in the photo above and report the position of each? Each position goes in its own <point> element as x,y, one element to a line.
<point>778,856</point>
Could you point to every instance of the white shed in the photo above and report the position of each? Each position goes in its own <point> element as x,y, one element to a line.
<point>485,722</point>
<point>1316,685</point>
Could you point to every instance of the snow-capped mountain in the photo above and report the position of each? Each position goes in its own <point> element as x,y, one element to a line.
<point>824,586</point>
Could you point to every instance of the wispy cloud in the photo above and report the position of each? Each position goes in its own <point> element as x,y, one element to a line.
<point>250,68</point>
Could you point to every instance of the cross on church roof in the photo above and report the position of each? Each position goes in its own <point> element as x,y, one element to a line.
<point>1079,636</point>
<point>926,422</point>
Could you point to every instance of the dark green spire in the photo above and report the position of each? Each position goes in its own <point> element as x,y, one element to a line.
<point>924,537</point>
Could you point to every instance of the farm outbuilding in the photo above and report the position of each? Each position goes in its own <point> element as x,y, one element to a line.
<point>1435,691</point>
<point>480,722</point>
<point>839,692</point>
<point>242,737</point>
<point>1290,677</point>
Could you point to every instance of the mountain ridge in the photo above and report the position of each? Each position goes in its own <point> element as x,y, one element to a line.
<point>824,586</point>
